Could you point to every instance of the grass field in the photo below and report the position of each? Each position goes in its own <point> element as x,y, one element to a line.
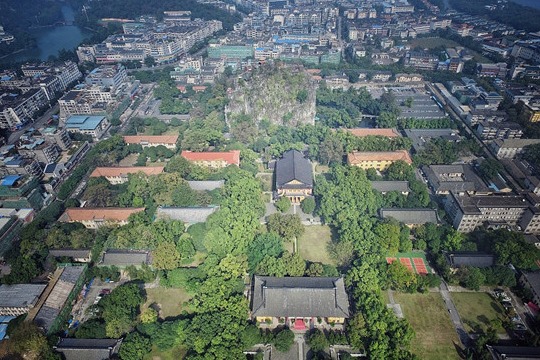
<point>477,310</point>
<point>169,300</point>
<point>175,353</point>
<point>430,43</point>
<point>313,245</point>
<point>128,160</point>
<point>435,334</point>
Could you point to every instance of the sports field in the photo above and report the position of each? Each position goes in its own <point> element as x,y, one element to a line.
<point>414,261</point>
<point>436,338</point>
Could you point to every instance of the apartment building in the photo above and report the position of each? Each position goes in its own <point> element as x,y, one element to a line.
<point>21,109</point>
<point>510,148</point>
<point>109,76</point>
<point>471,211</point>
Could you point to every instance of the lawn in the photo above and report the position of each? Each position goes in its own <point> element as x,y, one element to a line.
<point>435,334</point>
<point>313,245</point>
<point>128,160</point>
<point>430,43</point>
<point>477,310</point>
<point>169,300</point>
<point>177,352</point>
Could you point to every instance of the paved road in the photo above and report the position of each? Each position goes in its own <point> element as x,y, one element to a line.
<point>13,137</point>
<point>473,135</point>
<point>454,315</point>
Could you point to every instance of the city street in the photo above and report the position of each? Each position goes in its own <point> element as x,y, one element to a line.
<point>41,121</point>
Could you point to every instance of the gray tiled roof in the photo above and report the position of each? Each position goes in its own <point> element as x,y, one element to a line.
<point>88,349</point>
<point>411,216</point>
<point>293,166</point>
<point>299,297</point>
<point>46,316</point>
<point>470,258</point>
<point>73,253</point>
<point>126,257</point>
<point>514,352</point>
<point>385,186</point>
<point>466,182</point>
<point>20,295</point>
<point>420,137</point>
<point>189,215</point>
<point>534,280</point>
<point>71,274</point>
<point>206,185</point>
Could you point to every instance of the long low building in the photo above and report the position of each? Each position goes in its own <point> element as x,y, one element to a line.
<point>363,132</point>
<point>411,217</point>
<point>119,175</point>
<point>378,160</point>
<point>18,299</point>
<point>88,349</point>
<point>510,148</point>
<point>214,160</point>
<point>61,295</point>
<point>188,215</point>
<point>92,218</point>
<point>169,141</point>
<point>389,186</point>
<point>298,300</point>
<point>121,257</point>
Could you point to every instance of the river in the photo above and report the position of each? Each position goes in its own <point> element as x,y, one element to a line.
<point>52,39</point>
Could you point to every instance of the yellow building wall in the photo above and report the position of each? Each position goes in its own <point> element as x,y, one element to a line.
<point>336,320</point>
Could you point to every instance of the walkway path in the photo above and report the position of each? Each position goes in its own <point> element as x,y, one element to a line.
<point>454,315</point>
<point>396,308</point>
<point>299,338</point>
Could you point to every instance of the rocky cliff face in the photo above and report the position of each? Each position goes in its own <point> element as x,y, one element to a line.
<point>281,95</point>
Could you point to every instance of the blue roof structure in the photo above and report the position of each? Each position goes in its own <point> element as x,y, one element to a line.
<point>10,180</point>
<point>4,321</point>
<point>84,122</point>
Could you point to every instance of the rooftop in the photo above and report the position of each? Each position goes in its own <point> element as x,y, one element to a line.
<point>231,157</point>
<point>357,157</point>
<point>103,214</point>
<point>126,257</point>
<point>124,170</point>
<point>84,122</point>
<point>471,204</point>
<point>470,258</point>
<point>420,137</point>
<point>151,139</point>
<point>515,143</point>
<point>206,185</point>
<point>299,297</point>
<point>459,178</point>
<point>411,216</point>
<point>293,167</point>
<point>385,186</point>
<point>88,349</point>
<point>20,295</point>
<point>188,215</point>
<point>361,132</point>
